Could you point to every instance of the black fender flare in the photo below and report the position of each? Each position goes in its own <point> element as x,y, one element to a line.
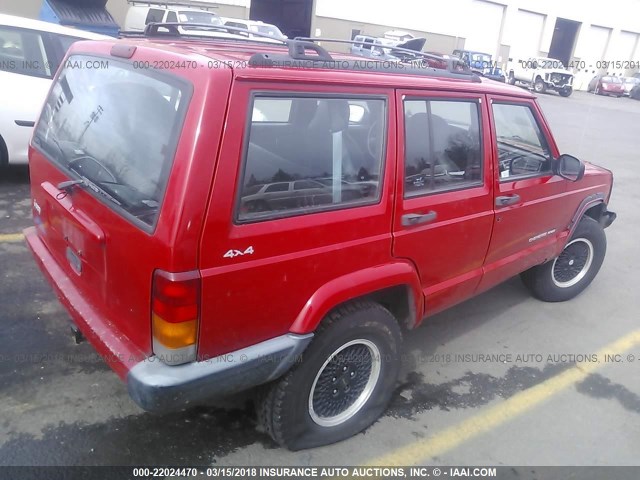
<point>587,203</point>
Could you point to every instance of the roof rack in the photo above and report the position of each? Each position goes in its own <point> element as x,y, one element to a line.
<point>298,56</point>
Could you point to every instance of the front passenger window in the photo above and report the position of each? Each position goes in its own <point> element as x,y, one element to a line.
<point>522,149</point>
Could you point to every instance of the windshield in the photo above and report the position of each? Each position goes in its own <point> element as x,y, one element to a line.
<point>611,79</point>
<point>270,30</point>
<point>187,16</point>
<point>632,81</point>
<point>116,130</point>
<point>481,57</point>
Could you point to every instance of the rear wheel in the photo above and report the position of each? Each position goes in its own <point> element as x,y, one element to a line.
<point>573,270</point>
<point>539,85</point>
<point>343,383</point>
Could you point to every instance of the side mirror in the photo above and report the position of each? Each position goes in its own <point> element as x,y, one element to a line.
<point>569,168</point>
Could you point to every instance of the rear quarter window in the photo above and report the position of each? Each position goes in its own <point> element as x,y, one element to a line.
<point>116,128</point>
<point>306,154</point>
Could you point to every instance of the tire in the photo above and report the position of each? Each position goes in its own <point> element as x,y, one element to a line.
<point>565,92</point>
<point>4,154</point>
<point>539,86</point>
<point>512,79</point>
<point>573,270</point>
<point>296,409</point>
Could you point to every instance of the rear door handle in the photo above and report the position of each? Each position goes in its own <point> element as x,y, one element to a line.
<point>507,200</point>
<point>411,219</point>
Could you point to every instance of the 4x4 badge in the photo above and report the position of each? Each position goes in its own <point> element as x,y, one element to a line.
<point>238,253</point>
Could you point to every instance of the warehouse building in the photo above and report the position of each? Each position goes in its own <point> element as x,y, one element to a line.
<point>588,36</point>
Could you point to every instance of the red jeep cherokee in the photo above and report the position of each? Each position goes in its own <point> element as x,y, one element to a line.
<point>218,214</point>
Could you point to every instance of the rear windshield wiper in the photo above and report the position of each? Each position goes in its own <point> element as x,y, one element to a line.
<point>84,181</point>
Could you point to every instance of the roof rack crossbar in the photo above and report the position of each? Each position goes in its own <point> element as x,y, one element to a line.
<point>453,64</point>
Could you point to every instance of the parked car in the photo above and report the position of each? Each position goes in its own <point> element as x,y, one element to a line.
<point>30,53</point>
<point>606,85</point>
<point>628,83</point>
<point>192,20</point>
<point>310,299</point>
<point>139,16</point>
<point>252,26</point>
<point>481,63</point>
<point>542,74</point>
<point>298,194</point>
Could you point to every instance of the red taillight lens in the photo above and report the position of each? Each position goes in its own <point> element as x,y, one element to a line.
<point>175,308</point>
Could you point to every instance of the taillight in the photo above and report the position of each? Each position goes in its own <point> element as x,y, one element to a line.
<point>175,315</point>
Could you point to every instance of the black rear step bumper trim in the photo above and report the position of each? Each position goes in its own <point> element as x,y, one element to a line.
<point>607,218</point>
<point>157,387</point>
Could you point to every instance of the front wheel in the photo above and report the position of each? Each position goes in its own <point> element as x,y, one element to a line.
<point>539,86</point>
<point>343,382</point>
<point>565,92</point>
<point>574,269</point>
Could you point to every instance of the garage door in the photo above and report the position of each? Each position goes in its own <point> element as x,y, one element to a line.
<point>484,27</point>
<point>591,43</point>
<point>622,48</point>
<point>526,43</point>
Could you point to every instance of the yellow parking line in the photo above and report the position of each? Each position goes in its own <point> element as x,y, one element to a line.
<point>495,416</point>
<point>11,237</point>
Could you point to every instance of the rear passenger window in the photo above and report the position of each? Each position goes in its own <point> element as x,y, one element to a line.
<point>307,154</point>
<point>22,51</point>
<point>442,146</point>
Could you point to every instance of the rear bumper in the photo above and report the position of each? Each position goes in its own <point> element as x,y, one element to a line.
<point>158,387</point>
<point>153,385</point>
<point>113,347</point>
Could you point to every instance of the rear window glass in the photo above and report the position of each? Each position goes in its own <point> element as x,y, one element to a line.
<point>116,129</point>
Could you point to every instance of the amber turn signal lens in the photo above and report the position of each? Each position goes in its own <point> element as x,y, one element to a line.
<point>174,335</point>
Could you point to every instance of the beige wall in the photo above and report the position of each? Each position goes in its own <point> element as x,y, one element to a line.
<point>341,29</point>
<point>21,8</point>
